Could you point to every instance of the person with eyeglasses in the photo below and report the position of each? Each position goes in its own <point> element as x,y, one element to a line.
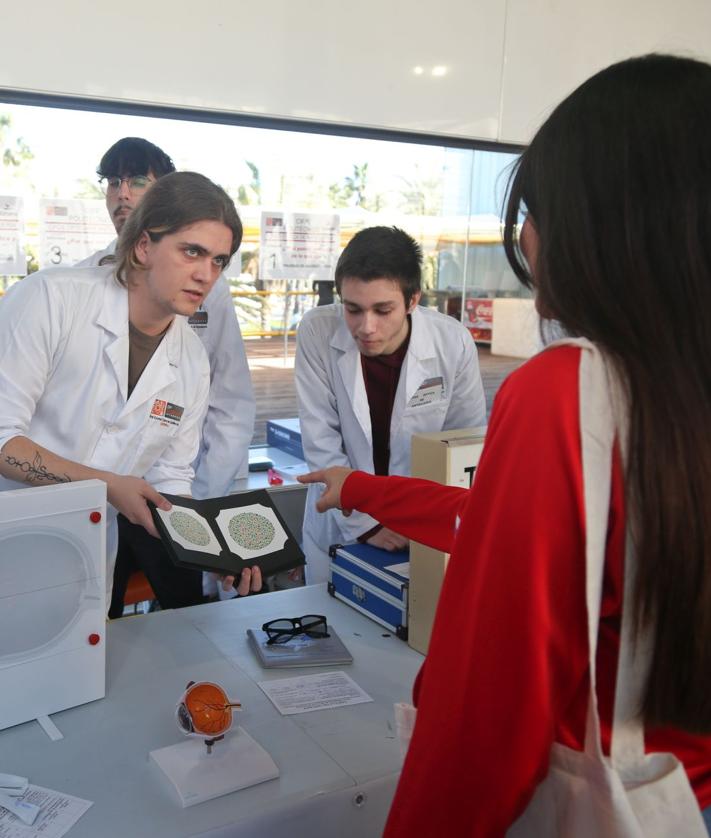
<point>127,172</point>
<point>120,190</point>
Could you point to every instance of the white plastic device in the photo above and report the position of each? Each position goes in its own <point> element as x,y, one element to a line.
<point>52,599</point>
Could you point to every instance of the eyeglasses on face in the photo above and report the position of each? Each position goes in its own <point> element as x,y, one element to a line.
<point>281,631</point>
<point>135,183</point>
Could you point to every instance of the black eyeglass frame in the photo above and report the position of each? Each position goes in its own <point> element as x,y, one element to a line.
<point>107,186</point>
<point>283,635</point>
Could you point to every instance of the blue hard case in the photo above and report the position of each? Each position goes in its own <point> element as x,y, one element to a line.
<point>358,576</point>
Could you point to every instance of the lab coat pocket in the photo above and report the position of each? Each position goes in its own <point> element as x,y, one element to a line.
<point>429,414</point>
<point>154,440</point>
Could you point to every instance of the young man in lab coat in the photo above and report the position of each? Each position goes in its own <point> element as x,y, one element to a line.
<point>127,171</point>
<point>91,359</point>
<point>371,371</point>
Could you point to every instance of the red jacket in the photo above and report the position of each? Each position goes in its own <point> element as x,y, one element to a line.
<point>507,669</point>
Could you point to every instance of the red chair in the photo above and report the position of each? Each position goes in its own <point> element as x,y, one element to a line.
<point>138,590</point>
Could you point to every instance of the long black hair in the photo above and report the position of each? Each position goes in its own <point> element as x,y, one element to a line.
<point>617,183</point>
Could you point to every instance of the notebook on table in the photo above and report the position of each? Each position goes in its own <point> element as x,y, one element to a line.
<point>301,650</point>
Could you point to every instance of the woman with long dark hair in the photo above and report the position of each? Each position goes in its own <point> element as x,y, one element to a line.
<point>593,494</point>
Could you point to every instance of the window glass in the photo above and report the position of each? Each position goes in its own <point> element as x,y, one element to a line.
<point>302,195</point>
<point>449,199</point>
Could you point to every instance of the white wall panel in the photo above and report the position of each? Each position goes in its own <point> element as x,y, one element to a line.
<point>554,45</point>
<point>508,62</point>
<point>316,60</point>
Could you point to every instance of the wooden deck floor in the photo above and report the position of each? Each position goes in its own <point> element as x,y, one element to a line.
<point>273,379</point>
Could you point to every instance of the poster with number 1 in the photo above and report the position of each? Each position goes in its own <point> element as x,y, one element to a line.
<point>298,245</point>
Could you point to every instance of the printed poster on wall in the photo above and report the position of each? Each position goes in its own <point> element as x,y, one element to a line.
<point>72,229</point>
<point>12,257</point>
<point>298,245</point>
<point>479,317</point>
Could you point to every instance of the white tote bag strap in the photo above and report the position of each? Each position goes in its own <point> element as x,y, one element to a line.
<point>627,736</point>
<point>603,417</point>
<point>597,435</point>
<point>627,744</point>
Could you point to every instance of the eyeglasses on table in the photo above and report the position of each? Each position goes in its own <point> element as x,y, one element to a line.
<point>282,630</point>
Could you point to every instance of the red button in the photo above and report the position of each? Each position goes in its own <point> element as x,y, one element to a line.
<point>95,517</point>
<point>94,639</point>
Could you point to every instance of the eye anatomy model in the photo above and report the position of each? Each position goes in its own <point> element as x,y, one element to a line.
<point>189,529</point>
<point>204,710</point>
<point>252,531</point>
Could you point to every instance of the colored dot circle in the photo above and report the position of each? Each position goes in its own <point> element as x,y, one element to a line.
<point>251,531</point>
<point>190,529</point>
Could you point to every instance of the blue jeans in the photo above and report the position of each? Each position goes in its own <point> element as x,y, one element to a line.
<point>707,819</point>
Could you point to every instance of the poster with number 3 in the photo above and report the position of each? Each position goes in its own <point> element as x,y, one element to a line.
<point>72,229</point>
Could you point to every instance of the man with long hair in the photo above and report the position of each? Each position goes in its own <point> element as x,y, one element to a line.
<point>127,171</point>
<point>91,357</point>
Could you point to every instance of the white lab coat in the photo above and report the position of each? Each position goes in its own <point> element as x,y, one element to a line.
<point>229,423</point>
<point>64,377</point>
<point>335,415</point>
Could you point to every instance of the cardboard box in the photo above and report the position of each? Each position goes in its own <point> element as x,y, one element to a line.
<point>286,435</point>
<point>450,458</point>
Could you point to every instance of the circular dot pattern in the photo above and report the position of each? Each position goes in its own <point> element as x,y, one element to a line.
<point>190,529</point>
<point>251,531</point>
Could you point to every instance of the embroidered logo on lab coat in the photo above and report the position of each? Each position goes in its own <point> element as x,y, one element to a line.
<point>198,320</point>
<point>166,412</point>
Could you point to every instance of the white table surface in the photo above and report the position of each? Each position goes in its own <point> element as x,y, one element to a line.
<point>338,767</point>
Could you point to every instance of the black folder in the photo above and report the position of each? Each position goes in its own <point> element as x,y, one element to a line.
<point>227,534</point>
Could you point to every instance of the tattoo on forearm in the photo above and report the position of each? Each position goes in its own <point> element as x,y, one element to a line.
<point>36,471</point>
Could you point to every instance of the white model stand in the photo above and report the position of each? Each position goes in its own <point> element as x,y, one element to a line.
<point>52,599</point>
<point>236,762</point>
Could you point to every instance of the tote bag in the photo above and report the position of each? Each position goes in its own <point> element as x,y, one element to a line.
<point>629,794</point>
